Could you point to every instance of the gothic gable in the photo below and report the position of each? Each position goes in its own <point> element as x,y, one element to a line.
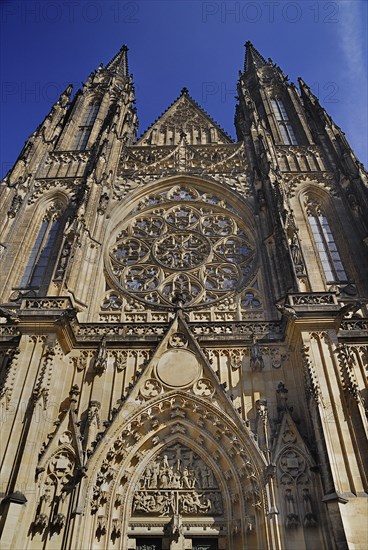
<point>295,474</point>
<point>184,116</point>
<point>178,365</point>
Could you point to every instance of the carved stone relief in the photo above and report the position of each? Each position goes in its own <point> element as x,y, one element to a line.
<point>52,506</point>
<point>177,482</point>
<point>294,478</point>
<point>246,305</point>
<point>255,356</point>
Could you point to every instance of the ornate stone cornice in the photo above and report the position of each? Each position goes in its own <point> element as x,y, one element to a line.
<point>57,314</point>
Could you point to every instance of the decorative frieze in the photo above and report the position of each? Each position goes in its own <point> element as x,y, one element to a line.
<point>312,299</point>
<point>238,358</point>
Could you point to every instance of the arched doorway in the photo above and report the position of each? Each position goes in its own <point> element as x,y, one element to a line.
<point>178,496</point>
<point>179,472</point>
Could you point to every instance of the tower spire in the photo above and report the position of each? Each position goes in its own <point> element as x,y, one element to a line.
<point>253,59</point>
<point>119,63</point>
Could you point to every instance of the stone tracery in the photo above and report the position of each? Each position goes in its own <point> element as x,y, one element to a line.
<point>206,241</point>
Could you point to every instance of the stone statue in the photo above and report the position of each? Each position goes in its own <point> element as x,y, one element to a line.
<point>101,359</point>
<point>256,359</point>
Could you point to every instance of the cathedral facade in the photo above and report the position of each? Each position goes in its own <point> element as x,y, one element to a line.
<point>184,325</point>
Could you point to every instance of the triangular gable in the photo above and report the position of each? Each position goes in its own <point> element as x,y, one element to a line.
<point>179,364</point>
<point>184,116</point>
<point>289,437</point>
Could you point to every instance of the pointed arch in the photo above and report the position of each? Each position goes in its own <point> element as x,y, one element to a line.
<point>319,212</point>
<point>47,225</point>
<point>298,483</point>
<point>176,417</point>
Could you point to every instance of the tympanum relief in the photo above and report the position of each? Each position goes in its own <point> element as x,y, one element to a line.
<point>177,481</point>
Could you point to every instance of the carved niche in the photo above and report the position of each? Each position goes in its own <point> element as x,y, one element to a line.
<point>295,480</point>
<point>177,481</point>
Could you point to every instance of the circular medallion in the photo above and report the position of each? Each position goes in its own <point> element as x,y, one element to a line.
<point>184,250</point>
<point>178,368</point>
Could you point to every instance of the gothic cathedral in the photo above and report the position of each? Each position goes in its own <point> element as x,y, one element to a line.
<point>184,325</point>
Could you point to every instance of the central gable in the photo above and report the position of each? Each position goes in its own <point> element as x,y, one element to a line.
<point>184,116</point>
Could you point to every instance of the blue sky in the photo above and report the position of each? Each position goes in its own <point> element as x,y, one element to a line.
<point>46,44</point>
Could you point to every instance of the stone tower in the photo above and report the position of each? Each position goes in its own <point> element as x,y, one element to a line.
<point>184,325</point>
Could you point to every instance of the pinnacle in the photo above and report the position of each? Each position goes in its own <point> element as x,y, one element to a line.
<point>306,89</point>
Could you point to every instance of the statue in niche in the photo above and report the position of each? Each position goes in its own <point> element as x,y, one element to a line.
<point>292,519</point>
<point>309,518</point>
<point>63,260</point>
<point>15,206</point>
<point>296,255</point>
<point>101,359</point>
<point>102,205</point>
<point>256,359</point>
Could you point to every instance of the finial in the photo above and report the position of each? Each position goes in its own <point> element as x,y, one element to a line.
<point>178,300</point>
<point>184,91</point>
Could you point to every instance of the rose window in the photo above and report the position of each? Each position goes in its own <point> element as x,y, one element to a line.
<point>181,250</point>
<point>199,252</point>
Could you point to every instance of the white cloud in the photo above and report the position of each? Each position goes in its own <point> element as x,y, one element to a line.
<point>352,38</point>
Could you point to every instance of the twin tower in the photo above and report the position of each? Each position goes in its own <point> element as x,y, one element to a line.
<point>184,325</point>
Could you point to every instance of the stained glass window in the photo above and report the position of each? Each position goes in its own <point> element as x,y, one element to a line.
<point>40,255</point>
<point>86,126</point>
<point>325,244</point>
<point>286,129</point>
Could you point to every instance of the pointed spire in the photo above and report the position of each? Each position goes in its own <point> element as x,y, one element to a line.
<point>253,59</point>
<point>119,62</point>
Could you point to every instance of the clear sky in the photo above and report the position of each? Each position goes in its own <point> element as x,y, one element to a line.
<point>47,44</point>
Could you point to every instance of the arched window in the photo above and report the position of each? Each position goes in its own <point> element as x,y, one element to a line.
<point>286,129</point>
<point>325,243</point>
<point>39,259</point>
<point>86,126</point>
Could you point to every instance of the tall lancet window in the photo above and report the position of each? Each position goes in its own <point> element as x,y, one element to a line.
<point>38,264</point>
<point>86,126</point>
<point>286,129</point>
<point>325,243</point>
